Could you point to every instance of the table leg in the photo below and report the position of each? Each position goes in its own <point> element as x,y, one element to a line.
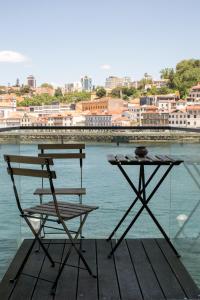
<point>132,205</point>
<point>142,208</point>
<point>144,202</point>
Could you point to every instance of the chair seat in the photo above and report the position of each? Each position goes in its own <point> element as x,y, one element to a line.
<point>61,191</point>
<point>67,210</point>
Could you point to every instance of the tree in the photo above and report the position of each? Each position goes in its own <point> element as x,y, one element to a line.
<point>100,92</point>
<point>46,85</point>
<point>58,92</point>
<point>186,74</point>
<point>25,90</point>
<point>116,92</point>
<point>165,73</point>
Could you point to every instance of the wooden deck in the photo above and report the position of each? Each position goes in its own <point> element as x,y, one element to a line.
<point>140,269</point>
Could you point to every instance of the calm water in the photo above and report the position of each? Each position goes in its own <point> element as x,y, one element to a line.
<point>108,189</point>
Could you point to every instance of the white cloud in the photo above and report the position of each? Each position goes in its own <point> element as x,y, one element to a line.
<point>105,67</point>
<point>8,56</point>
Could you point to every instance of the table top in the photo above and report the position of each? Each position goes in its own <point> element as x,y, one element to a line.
<point>147,160</point>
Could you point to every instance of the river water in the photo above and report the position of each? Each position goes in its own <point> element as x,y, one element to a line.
<point>107,189</point>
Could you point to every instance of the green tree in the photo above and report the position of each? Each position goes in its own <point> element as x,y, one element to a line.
<point>100,92</point>
<point>165,73</point>
<point>58,92</point>
<point>47,85</point>
<point>185,75</point>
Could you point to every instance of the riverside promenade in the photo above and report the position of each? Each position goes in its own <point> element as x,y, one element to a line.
<point>95,135</point>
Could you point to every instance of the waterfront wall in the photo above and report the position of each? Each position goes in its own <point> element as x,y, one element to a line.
<point>59,136</point>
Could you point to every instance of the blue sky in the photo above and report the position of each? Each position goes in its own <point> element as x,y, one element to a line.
<point>59,41</point>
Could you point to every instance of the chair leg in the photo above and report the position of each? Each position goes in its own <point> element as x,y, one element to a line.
<point>29,251</point>
<point>73,245</point>
<point>23,262</point>
<point>36,234</point>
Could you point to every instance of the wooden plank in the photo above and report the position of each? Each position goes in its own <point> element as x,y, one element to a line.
<point>43,288</point>
<point>167,279</point>
<point>27,159</point>
<point>178,268</point>
<point>121,158</point>
<point>127,278</point>
<point>67,284</point>
<point>63,155</point>
<point>61,191</point>
<point>147,280</point>
<point>89,207</point>
<point>107,277</point>
<point>6,286</point>
<point>42,291</point>
<point>24,288</point>
<point>131,157</point>
<point>26,282</point>
<point>32,172</point>
<point>44,211</point>
<point>87,285</point>
<point>61,146</point>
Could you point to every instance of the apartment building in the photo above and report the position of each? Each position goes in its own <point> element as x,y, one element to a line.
<point>193,116</point>
<point>98,120</point>
<point>166,105</point>
<point>43,110</point>
<point>59,120</point>
<point>178,118</point>
<point>194,95</point>
<point>155,118</point>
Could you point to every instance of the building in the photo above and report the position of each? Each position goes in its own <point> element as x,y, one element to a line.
<point>113,82</point>
<point>121,121</point>
<point>31,82</point>
<point>155,118</point>
<point>43,110</point>
<point>72,87</point>
<point>86,83</point>
<point>168,97</point>
<point>193,116</point>
<point>6,108</point>
<point>194,93</point>
<point>147,100</point>
<point>98,120</point>
<point>126,81</point>
<point>102,104</point>
<point>45,90</point>
<point>178,118</point>
<point>160,83</point>
<point>59,120</point>
<point>166,105</point>
<point>69,88</point>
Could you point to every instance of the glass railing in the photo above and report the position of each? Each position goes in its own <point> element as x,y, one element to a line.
<point>176,204</point>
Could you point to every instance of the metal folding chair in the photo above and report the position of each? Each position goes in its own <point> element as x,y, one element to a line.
<point>53,211</point>
<point>55,153</point>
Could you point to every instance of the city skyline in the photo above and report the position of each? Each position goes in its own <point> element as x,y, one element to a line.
<point>61,42</point>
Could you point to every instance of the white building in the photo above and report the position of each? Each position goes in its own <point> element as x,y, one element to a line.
<point>98,120</point>
<point>193,116</point>
<point>178,118</point>
<point>195,93</point>
<point>43,110</point>
<point>7,107</point>
<point>166,105</point>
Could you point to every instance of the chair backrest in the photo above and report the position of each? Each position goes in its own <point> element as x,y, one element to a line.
<point>30,160</point>
<point>43,161</point>
<point>57,155</point>
<point>66,155</point>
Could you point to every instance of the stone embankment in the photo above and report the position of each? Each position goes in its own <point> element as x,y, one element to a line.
<point>128,136</point>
